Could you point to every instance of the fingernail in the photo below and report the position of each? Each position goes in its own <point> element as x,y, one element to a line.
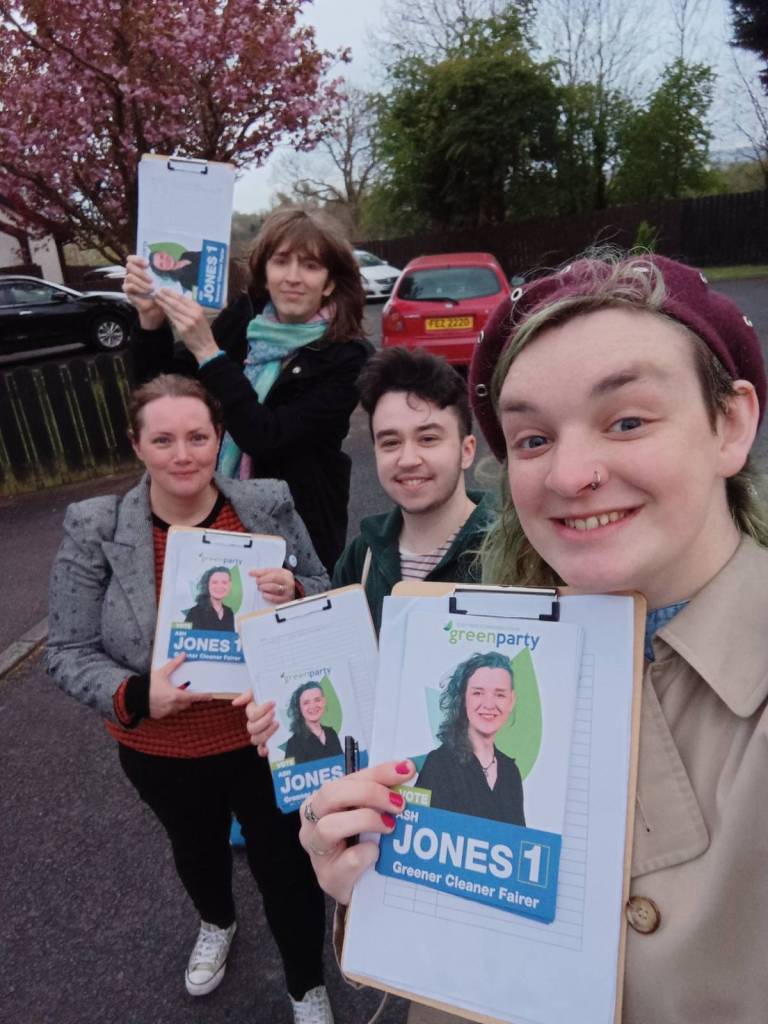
<point>183,686</point>
<point>388,820</point>
<point>403,768</point>
<point>396,799</point>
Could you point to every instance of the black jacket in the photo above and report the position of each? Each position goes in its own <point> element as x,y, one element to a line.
<point>380,534</point>
<point>310,748</point>
<point>297,433</point>
<point>462,787</point>
<point>202,616</point>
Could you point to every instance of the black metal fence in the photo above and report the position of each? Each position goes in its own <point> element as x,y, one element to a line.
<point>711,231</point>
<point>63,421</point>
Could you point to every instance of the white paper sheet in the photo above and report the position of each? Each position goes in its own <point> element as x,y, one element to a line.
<point>185,215</point>
<point>214,660</point>
<point>486,962</point>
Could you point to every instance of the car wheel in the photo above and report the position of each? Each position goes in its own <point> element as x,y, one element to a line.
<point>108,332</point>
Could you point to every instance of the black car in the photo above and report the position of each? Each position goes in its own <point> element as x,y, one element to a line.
<point>38,314</point>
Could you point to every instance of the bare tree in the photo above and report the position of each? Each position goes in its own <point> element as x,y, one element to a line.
<point>432,28</point>
<point>688,16</point>
<point>751,117</point>
<point>338,173</point>
<point>598,42</point>
<point>599,47</point>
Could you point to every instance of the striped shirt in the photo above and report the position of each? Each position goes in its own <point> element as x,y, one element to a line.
<point>418,567</point>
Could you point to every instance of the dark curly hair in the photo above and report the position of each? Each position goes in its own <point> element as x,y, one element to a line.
<point>202,594</point>
<point>453,731</point>
<point>416,372</point>
<point>295,718</point>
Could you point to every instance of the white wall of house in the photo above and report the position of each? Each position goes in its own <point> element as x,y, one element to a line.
<point>43,250</point>
<point>10,251</point>
<point>46,255</point>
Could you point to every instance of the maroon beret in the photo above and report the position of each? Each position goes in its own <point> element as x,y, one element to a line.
<point>689,300</point>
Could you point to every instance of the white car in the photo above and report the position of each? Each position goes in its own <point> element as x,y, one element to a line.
<point>378,276</point>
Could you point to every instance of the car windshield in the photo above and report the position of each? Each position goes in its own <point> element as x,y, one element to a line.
<point>367,259</point>
<point>448,283</point>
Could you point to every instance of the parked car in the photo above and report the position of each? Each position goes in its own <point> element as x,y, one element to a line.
<point>113,272</point>
<point>39,314</point>
<point>441,303</point>
<point>378,276</point>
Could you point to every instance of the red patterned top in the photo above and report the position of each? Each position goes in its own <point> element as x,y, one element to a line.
<point>210,727</point>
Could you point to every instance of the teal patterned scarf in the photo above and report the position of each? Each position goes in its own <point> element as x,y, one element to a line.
<point>270,342</point>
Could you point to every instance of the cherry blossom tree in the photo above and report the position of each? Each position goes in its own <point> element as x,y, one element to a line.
<point>87,87</point>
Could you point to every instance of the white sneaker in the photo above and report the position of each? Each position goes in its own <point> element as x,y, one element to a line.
<point>314,1008</point>
<point>208,959</point>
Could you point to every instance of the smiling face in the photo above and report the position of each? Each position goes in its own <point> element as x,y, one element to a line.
<point>312,705</point>
<point>489,700</point>
<point>616,392</point>
<point>219,585</point>
<point>178,444</point>
<point>298,284</point>
<point>420,455</point>
<point>162,260</point>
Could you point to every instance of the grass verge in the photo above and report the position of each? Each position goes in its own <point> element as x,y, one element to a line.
<point>736,273</point>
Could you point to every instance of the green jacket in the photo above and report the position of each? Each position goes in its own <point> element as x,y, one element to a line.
<point>381,535</point>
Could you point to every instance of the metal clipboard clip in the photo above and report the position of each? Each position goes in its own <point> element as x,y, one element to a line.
<point>302,608</point>
<point>245,543</point>
<point>541,605</point>
<point>192,165</point>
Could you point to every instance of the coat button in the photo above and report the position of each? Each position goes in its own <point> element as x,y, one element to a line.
<point>296,369</point>
<point>643,914</point>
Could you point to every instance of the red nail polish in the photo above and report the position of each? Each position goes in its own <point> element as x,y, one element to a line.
<point>388,820</point>
<point>396,799</point>
<point>403,768</point>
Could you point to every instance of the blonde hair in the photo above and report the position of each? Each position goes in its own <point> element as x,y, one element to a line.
<point>632,282</point>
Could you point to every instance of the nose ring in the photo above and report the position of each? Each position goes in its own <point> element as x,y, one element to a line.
<point>595,481</point>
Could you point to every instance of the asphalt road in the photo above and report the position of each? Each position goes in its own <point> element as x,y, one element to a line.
<point>95,927</point>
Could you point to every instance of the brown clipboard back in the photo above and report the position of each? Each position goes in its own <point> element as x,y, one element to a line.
<point>421,588</point>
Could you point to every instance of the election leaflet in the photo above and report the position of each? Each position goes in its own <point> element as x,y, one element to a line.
<point>206,583</point>
<point>485,710</point>
<point>508,868</point>
<point>184,225</point>
<point>316,659</point>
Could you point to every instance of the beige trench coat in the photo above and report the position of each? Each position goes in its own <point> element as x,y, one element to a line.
<point>701,821</point>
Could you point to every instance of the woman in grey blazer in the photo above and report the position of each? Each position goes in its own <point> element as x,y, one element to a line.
<point>188,756</point>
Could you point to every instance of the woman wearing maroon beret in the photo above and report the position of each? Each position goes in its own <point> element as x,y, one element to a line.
<point>623,396</point>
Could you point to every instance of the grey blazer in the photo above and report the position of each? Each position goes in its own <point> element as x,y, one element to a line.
<point>103,607</point>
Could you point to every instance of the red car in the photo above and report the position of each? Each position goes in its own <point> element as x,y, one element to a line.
<point>441,303</point>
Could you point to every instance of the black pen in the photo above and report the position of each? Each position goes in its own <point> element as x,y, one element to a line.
<point>351,764</point>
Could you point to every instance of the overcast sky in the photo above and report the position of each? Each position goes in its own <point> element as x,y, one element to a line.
<point>347,22</point>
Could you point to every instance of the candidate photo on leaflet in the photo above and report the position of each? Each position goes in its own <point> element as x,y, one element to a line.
<point>623,395</point>
<point>282,359</point>
<point>310,739</point>
<point>209,611</point>
<point>467,773</point>
<point>184,270</point>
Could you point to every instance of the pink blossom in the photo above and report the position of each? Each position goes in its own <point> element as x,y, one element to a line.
<point>88,87</point>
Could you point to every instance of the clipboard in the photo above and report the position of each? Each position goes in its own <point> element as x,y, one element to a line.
<point>472,960</point>
<point>201,564</point>
<point>316,658</point>
<point>185,223</point>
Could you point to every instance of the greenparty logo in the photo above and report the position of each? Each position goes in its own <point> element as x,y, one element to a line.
<point>497,638</point>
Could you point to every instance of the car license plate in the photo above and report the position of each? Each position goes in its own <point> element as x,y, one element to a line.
<point>448,323</point>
